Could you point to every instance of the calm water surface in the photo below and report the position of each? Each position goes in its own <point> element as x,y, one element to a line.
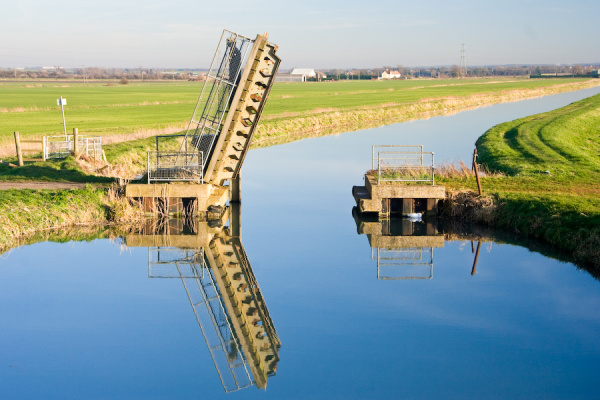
<point>85,320</point>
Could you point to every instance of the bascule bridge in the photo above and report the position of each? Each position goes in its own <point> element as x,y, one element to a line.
<point>205,170</point>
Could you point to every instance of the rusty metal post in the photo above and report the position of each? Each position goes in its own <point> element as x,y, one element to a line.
<point>18,147</point>
<point>476,171</point>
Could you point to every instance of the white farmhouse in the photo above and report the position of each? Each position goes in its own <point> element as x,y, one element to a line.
<point>389,74</point>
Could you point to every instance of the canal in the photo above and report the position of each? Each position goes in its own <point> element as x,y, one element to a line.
<point>359,310</point>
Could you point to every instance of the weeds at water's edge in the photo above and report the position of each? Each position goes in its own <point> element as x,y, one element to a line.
<point>535,218</point>
<point>24,213</point>
<point>469,207</point>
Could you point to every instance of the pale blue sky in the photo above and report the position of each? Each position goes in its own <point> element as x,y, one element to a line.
<point>317,34</point>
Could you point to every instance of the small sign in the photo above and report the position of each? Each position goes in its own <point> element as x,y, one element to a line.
<point>61,102</point>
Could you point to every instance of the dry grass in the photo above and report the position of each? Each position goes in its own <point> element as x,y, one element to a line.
<point>468,206</point>
<point>126,170</point>
<point>123,210</point>
<point>144,133</point>
<point>451,171</point>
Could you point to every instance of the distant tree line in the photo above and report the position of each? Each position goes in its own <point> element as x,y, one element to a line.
<point>454,71</point>
<point>96,73</point>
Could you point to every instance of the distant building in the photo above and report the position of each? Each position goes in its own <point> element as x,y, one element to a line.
<point>388,74</point>
<point>307,72</point>
<point>297,75</point>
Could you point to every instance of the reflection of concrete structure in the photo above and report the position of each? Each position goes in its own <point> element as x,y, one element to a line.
<point>403,248</point>
<point>212,264</point>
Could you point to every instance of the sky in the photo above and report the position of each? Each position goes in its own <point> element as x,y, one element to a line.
<point>310,34</point>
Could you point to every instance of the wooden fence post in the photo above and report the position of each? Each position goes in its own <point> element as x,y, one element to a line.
<point>44,148</point>
<point>18,146</point>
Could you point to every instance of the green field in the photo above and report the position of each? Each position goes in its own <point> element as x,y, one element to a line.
<point>102,108</point>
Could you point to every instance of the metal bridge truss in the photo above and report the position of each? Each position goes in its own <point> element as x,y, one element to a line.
<point>229,107</point>
<point>217,93</point>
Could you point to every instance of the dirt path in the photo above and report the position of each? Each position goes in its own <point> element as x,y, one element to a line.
<point>40,185</point>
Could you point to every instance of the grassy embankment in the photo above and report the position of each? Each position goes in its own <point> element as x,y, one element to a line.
<point>24,213</point>
<point>548,187</point>
<point>294,110</point>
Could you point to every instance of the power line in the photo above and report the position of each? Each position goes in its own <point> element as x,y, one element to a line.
<point>463,61</point>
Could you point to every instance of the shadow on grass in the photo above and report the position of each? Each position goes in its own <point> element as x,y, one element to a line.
<point>50,171</point>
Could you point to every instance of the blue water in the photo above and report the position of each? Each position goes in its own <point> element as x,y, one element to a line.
<point>82,320</point>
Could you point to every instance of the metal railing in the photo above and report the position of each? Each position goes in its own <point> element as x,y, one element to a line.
<point>386,147</point>
<point>218,90</point>
<point>175,166</point>
<point>61,147</point>
<point>403,166</point>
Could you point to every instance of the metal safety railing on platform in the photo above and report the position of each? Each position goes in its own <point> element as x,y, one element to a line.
<point>412,165</point>
<point>175,166</point>
<point>62,147</point>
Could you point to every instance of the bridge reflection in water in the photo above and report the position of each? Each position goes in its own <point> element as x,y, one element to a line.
<point>402,248</point>
<point>209,258</point>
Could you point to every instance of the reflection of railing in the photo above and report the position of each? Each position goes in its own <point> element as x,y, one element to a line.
<point>407,263</point>
<point>207,302</point>
<point>59,147</point>
<point>175,166</point>
<point>188,263</point>
<point>229,307</point>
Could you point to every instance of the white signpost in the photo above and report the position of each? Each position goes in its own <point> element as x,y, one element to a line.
<point>63,102</point>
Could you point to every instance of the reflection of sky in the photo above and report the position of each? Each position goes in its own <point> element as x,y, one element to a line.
<point>83,320</point>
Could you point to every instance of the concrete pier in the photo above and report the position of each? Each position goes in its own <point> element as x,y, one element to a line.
<point>396,198</point>
<point>173,198</point>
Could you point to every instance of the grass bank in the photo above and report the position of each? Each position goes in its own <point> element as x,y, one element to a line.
<point>546,183</point>
<point>420,103</point>
<point>24,213</point>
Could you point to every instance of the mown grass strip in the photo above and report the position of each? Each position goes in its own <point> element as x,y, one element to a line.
<point>551,191</point>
